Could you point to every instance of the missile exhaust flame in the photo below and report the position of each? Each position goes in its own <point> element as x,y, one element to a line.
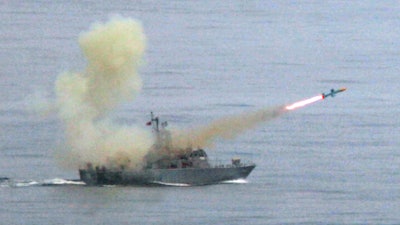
<point>311,100</point>
<point>304,102</point>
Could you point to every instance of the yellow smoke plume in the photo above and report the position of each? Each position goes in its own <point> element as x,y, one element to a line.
<point>113,51</point>
<point>84,99</point>
<point>227,128</point>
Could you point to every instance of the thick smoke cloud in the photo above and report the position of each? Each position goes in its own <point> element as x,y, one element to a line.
<point>113,51</point>
<point>85,99</point>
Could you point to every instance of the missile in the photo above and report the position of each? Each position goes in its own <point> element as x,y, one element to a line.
<point>333,92</point>
<point>311,100</point>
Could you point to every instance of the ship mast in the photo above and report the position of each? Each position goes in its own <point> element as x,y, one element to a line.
<point>154,122</point>
<point>163,136</point>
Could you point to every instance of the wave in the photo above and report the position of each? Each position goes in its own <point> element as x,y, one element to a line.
<point>171,184</point>
<point>238,181</point>
<point>60,181</point>
<point>7,182</point>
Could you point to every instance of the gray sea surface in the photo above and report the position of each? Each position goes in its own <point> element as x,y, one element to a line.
<point>333,162</point>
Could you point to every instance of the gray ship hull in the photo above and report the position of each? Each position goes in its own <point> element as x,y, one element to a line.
<point>176,176</point>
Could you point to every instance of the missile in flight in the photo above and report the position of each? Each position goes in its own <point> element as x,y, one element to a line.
<point>333,92</point>
<point>317,98</point>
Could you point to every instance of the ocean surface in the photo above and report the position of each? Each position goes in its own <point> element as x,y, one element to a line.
<point>333,162</point>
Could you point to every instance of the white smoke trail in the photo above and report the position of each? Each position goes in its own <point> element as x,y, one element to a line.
<point>227,127</point>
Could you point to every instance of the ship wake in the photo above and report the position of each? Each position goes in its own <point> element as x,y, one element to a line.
<point>11,183</point>
<point>171,184</point>
<point>237,181</point>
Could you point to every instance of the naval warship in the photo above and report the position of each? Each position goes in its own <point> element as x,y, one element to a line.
<point>165,165</point>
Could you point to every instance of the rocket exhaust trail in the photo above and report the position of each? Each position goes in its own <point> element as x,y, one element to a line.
<point>230,127</point>
<point>314,99</point>
<point>226,128</point>
<point>304,102</point>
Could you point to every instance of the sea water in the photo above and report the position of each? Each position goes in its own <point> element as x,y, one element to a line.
<point>333,162</point>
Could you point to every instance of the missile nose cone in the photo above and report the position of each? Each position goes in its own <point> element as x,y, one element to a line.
<point>342,89</point>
